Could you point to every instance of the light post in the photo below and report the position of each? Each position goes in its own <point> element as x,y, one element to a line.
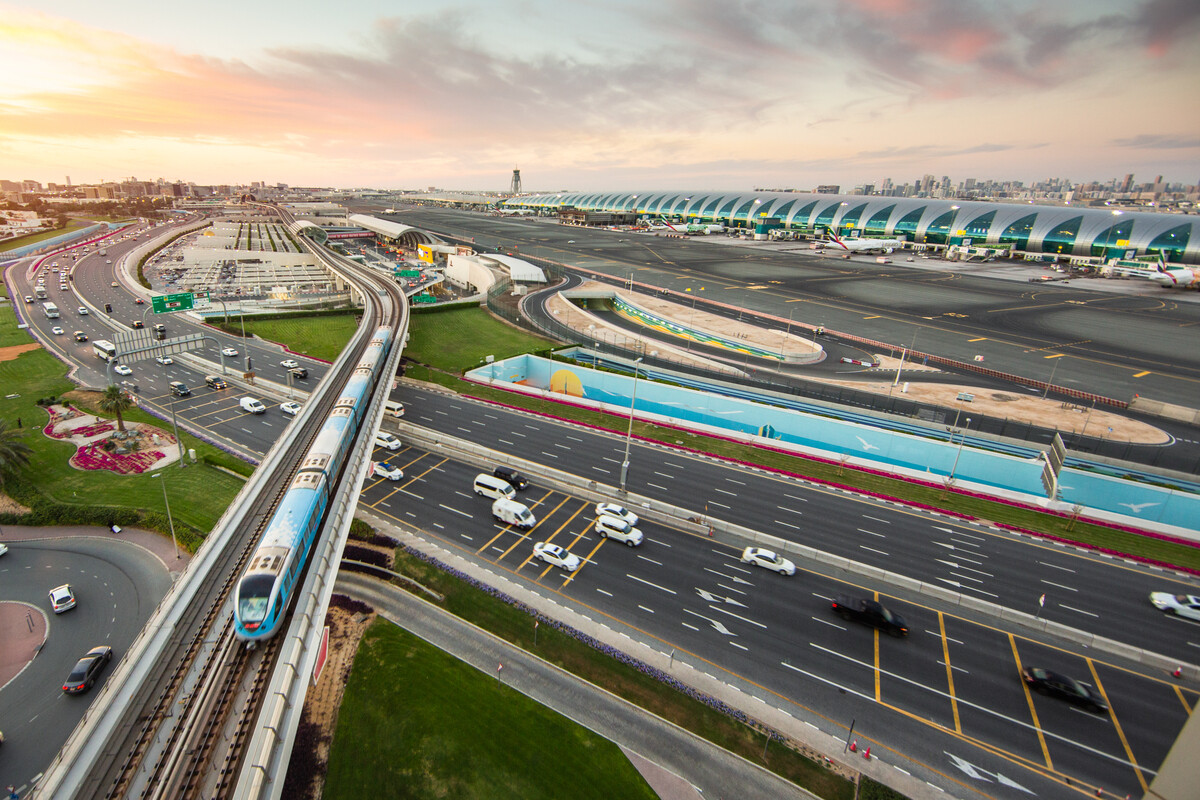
<point>1051,381</point>
<point>962,437</point>
<point>629,433</point>
<point>786,335</point>
<point>170,521</point>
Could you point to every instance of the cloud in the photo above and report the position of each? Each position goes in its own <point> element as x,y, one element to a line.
<point>1157,141</point>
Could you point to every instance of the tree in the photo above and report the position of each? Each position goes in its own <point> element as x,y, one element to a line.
<point>14,453</point>
<point>116,400</point>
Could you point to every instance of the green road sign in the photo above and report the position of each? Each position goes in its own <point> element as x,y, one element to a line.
<point>169,303</point>
<point>409,273</point>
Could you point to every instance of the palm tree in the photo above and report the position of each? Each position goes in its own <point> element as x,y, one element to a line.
<point>116,400</point>
<point>14,453</point>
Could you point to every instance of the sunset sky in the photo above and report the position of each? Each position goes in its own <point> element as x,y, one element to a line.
<point>610,94</point>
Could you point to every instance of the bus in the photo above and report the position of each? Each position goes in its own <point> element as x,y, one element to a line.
<point>104,349</point>
<point>50,310</point>
<point>40,292</point>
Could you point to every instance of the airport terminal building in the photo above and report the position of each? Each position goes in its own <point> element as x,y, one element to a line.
<point>1059,232</point>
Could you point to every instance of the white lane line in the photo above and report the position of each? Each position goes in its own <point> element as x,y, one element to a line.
<point>736,616</point>
<point>693,627</point>
<point>967,544</point>
<point>656,486</point>
<point>715,503</point>
<point>970,536</point>
<point>643,608</point>
<point>518,433</point>
<point>730,588</point>
<point>957,669</point>
<point>665,475</point>
<point>822,597</point>
<point>648,583</point>
<point>789,510</point>
<point>1056,566</point>
<point>793,497</point>
<point>674,466</point>
<point>976,571</point>
<point>830,624</point>
<point>1059,585</point>
<point>613,460</point>
<point>563,446</point>
<point>939,635</point>
<point>740,647</point>
<point>872,549</point>
<point>505,441</point>
<point>787,525</point>
<point>574,438</point>
<point>456,511</point>
<point>1078,610</point>
<point>551,455</point>
<point>601,469</point>
<point>722,491</point>
<point>533,427</point>
<point>739,483</point>
<point>464,430</point>
<point>877,519</point>
<point>873,533</point>
<point>606,594</point>
<point>651,560</point>
<point>966,577</point>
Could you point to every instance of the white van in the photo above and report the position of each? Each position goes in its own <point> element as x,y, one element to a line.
<point>249,404</point>
<point>393,408</point>
<point>387,441</point>
<point>613,528</point>
<point>493,487</point>
<point>510,512</point>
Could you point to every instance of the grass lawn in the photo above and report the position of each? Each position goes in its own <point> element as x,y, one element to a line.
<point>418,723</point>
<point>320,337</point>
<point>13,244</point>
<point>460,339</point>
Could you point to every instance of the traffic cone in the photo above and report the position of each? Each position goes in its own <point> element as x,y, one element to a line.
<point>854,746</point>
<point>867,753</point>
<point>1177,673</point>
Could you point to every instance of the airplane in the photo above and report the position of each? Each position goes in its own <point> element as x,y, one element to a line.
<point>1175,277</point>
<point>861,245</point>
<point>692,228</point>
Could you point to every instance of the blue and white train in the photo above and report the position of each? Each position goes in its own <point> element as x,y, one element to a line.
<point>265,590</point>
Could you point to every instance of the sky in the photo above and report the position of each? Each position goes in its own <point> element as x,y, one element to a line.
<point>603,95</point>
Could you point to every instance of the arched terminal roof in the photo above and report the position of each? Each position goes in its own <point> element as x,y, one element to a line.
<point>303,227</point>
<point>394,231</point>
<point>1059,230</point>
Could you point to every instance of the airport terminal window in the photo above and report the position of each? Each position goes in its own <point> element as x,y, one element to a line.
<point>780,215</point>
<point>826,217</point>
<point>1017,234</point>
<point>908,224</point>
<point>726,209</point>
<point>663,201</point>
<point>708,211</point>
<point>939,230</point>
<point>1116,237</point>
<point>877,224</point>
<point>851,217</point>
<point>1172,243</point>
<point>801,218</point>
<point>979,227</point>
<point>1061,238</point>
<point>746,212</point>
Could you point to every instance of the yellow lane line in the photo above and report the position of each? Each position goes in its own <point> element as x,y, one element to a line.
<point>949,672</point>
<point>525,535</point>
<point>1183,700</point>
<point>407,482</point>
<point>1055,355</point>
<point>503,531</point>
<point>877,671</point>
<point>1113,716</point>
<point>980,339</point>
<point>876,316</point>
<point>1037,726</point>
<point>1141,374</point>
<point>586,559</point>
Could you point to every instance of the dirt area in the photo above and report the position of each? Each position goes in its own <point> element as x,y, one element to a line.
<point>10,353</point>
<point>10,506</point>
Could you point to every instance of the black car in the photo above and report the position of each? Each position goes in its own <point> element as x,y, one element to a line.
<point>1059,685</point>
<point>84,675</point>
<point>512,477</point>
<point>80,336</point>
<point>869,612</point>
<point>299,372</point>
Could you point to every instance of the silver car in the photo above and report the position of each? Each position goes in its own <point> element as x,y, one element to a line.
<point>768,560</point>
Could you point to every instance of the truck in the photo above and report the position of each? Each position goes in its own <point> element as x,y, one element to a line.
<point>50,310</point>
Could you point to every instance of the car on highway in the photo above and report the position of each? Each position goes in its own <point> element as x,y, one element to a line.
<point>1056,684</point>
<point>62,598</point>
<point>164,360</point>
<point>85,672</point>
<point>121,369</point>
<point>1179,605</point>
<point>215,382</point>
<point>291,408</point>
<point>28,298</point>
<point>620,512</point>
<point>137,323</point>
<point>382,469</point>
<point>289,363</point>
<point>510,476</point>
<point>3,548</point>
<point>556,556</point>
<point>57,331</point>
<point>768,560</point>
<point>869,612</point>
<point>620,530</point>
<point>228,351</point>
<point>80,336</point>
<point>114,284</point>
<point>139,301</point>
<point>83,312</point>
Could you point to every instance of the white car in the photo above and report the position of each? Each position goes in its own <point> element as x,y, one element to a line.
<point>3,548</point>
<point>289,363</point>
<point>613,528</point>
<point>768,560</point>
<point>62,598</point>
<point>1179,605</point>
<point>229,352</point>
<point>83,312</point>
<point>57,331</point>
<point>620,512</point>
<point>164,360</point>
<point>121,369</point>
<point>291,408</point>
<point>556,556</point>
<point>114,284</point>
<point>383,469</point>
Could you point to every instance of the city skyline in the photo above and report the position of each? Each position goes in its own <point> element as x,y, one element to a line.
<point>691,95</point>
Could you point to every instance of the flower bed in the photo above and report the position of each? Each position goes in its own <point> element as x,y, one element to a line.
<point>94,456</point>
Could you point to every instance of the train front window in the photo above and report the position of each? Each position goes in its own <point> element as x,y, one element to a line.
<point>253,599</point>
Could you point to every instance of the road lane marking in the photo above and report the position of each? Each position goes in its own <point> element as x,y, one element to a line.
<point>456,511</point>
<point>787,525</point>
<point>665,475</point>
<point>1059,585</point>
<point>1182,699</point>
<point>643,608</point>
<point>738,616</point>
<point>830,624</point>
<point>1078,610</point>
<point>873,533</point>
<point>1056,566</point>
<point>741,647</point>
<point>872,549</point>
<point>789,510</point>
<point>949,672</point>
<point>980,339</point>
<point>648,583</point>
<point>1142,374</point>
<point>1117,724</point>
<point>1029,699</point>
<point>877,519</point>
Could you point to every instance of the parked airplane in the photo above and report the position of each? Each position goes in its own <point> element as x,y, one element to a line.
<point>1176,277</point>
<point>692,228</point>
<point>861,245</point>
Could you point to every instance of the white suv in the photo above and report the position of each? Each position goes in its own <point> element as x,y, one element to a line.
<point>613,528</point>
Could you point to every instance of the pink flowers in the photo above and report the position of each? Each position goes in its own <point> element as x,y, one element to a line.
<point>94,456</point>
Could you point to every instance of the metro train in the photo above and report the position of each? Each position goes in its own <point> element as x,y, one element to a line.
<point>265,589</point>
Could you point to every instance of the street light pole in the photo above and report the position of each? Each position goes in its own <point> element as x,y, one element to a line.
<point>629,433</point>
<point>1051,381</point>
<point>962,437</point>
<point>178,439</point>
<point>170,521</point>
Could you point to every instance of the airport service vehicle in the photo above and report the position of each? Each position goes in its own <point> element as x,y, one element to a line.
<point>252,405</point>
<point>556,556</point>
<point>510,512</point>
<point>869,612</point>
<point>85,672</point>
<point>265,589</point>
<point>1058,685</point>
<point>620,512</point>
<point>768,560</point>
<point>291,408</point>
<point>166,361</point>
<point>382,469</point>
<point>121,369</point>
<point>104,349</point>
<point>1180,605</point>
<point>62,598</point>
<point>618,529</point>
<point>50,310</point>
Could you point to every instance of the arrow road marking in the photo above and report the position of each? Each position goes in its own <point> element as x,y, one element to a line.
<point>712,598</point>
<point>718,626</point>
